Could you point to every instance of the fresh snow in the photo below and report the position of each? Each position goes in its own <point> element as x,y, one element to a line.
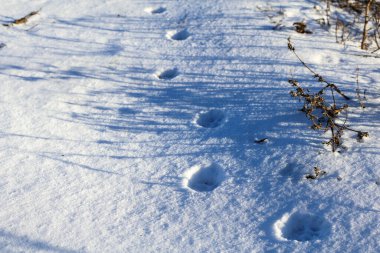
<point>130,126</point>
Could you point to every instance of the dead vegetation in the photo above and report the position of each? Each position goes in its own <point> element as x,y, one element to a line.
<point>365,17</point>
<point>261,141</point>
<point>317,174</point>
<point>323,108</point>
<point>275,16</point>
<point>360,95</point>
<point>301,27</point>
<point>342,31</point>
<point>22,20</point>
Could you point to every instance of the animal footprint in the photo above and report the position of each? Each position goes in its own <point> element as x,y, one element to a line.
<point>294,171</point>
<point>178,35</point>
<point>158,10</point>
<point>168,74</point>
<point>204,179</point>
<point>125,111</point>
<point>210,119</point>
<point>301,227</point>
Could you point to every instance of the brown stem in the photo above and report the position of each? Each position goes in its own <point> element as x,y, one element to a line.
<point>366,20</point>
<point>332,139</point>
<point>328,12</point>
<point>316,75</point>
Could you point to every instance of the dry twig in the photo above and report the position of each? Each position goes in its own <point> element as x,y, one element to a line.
<point>319,110</point>
<point>358,90</point>
<point>22,20</point>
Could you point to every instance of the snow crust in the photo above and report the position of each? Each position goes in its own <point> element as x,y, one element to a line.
<point>130,126</point>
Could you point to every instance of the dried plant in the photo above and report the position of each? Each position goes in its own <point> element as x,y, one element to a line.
<point>22,20</point>
<point>365,28</point>
<point>323,110</point>
<point>317,173</point>
<point>261,141</point>
<point>365,25</point>
<point>301,27</point>
<point>361,98</point>
<point>340,31</point>
<point>328,10</point>
<point>276,16</point>
<point>376,21</point>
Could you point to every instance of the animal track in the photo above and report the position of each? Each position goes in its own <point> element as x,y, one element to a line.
<point>294,171</point>
<point>168,74</point>
<point>204,179</point>
<point>125,111</point>
<point>210,119</point>
<point>301,227</point>
<point>158,10</point>
<point>178,35</point>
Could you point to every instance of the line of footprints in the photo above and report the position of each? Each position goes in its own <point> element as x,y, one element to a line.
<point>178,35</point>
<point>298,226</point>
<point>201,179</point>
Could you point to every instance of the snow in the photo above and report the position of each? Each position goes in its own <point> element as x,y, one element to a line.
<point>130,126</point>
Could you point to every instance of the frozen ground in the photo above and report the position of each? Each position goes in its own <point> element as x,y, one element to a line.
<point>130,126</point>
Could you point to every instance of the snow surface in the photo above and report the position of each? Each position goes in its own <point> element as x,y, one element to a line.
<point>130,126</point>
